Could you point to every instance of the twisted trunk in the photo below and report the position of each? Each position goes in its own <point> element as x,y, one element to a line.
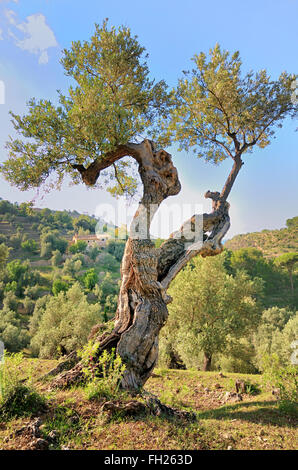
<point>146,272</point>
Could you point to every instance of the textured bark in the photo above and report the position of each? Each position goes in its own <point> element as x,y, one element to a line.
<point>146,272</point>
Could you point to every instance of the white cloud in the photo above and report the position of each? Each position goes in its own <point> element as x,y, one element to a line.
<point>37,35</point>
<point>11,16</point>
<point>1,34</point>
<point>43,58</point>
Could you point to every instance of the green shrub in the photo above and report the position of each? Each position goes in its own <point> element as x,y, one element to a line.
<point>103,373</point>
<point>17,395</point>
<point>78,247</point>
<point>30,246</point>
<point>63,323</point>
<point>285,379</point>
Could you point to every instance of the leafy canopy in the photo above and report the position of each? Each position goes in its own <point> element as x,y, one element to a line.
<point>111,101</point>
<point>287,260</point>
<point>209,307</point>
<point>220,113</point>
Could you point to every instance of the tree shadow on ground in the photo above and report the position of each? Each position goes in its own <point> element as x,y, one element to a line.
<point>265,412</point>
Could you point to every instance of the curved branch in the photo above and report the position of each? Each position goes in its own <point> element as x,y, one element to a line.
<point>91,174</point>
<point>174,258</point>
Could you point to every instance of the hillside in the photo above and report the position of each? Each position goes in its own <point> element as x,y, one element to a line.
<point>222,420</point>
<point>271,242</point>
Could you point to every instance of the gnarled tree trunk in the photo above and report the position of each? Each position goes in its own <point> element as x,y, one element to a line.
<point>146,272</point>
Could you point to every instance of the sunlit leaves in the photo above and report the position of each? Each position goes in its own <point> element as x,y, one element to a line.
<point>111,101</point>
<point>220,112</point>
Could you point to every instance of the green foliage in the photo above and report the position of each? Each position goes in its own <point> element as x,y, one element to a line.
<point>90,279</point>
<point>72,266</point>
<point>7,207</point>
<point>15,240</point>
<point>112,101</point>
<point>209,308</point>
<point>292,223</point>
<point>220,112</point>
<point>273,322</point>
<point>93,252</point>
<point>12,331</point>
<point>85,222</point>
<point>56,259</point>
<point>253,262</point>
<point>50,241</point>
<point>59,286</point>
<point>106,289</point>
<point>285,343</point>
<point>64,323</point>
<point>17,396</point>
<point>78,247</point>
<point>285,379</point>
<point>4,254</point>
<point>103,372</point>
<point>19,276</point>
<point>237,356</point>
<point>272,243</point>
<point>30,246</point>
<point>288,261</point>
<point>116,248</point>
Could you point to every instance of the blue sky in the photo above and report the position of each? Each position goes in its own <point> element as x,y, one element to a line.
<point>33,33</point>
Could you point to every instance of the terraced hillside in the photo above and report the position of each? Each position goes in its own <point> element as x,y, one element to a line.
<point>271,242</point>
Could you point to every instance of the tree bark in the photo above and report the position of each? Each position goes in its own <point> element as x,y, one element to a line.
<point>207,362</point>
<point>232,177</point>
<point>146,272</point>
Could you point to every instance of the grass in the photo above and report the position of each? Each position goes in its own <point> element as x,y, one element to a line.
<point>254,423</point>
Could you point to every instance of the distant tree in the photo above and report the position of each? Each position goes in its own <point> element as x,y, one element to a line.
<point>19,275</point>
<point>93,252</point>
<point>56,259</point>
<point>292,223</point>
<point>64,322</point>
<point>285,342</point>
<point>209,307</point>
<point>6,207</point>
<point>110,305</point>
<point>30,246</point>
<point>85,222</point>
<point>4,254</point>
<point>256,265</point>
<point>26,209</point>
<point>78,247</point>
<point>50,241</point>
<point>273,320</point>
<point>116,248</point>
<point>288,261</point>
<point>12,332</point>
<point>72,266</point>
<point>63,219</point>
<point>15,240</point>
<point>90,279</point>
<point>59,286</point>
<point>106,289</point>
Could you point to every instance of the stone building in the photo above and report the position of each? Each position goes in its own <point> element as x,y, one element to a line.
<point>99,240</point>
